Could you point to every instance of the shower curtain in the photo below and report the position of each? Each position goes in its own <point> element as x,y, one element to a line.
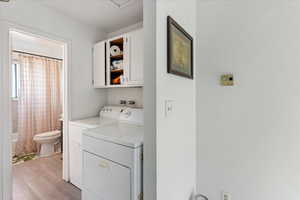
<point>40,99</point>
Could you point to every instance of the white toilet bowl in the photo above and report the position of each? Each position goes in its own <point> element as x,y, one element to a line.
<point>47,142</point>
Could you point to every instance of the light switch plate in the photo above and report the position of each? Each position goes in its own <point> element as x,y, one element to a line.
<point>169,107</point>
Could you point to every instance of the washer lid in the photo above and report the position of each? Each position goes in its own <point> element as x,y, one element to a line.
<point>119,133</point>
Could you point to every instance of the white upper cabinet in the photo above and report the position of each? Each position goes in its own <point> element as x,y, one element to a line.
<point>119,61</point>
<point>99,64</point>
<point>135,50</point>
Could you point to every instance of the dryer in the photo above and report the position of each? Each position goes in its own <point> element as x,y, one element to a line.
<point>113,159</point>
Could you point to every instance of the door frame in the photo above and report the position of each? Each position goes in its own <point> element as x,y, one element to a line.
<point>5,106</point>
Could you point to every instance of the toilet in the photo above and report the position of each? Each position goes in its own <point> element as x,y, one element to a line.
<point>47,142</point>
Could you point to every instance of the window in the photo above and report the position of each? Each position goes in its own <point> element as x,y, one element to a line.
<point>15,81</point>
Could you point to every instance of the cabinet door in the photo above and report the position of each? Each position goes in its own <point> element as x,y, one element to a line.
<point>75,163</point>
<point>135,54</point>
<point>99,64</point>
<point>105,179</point>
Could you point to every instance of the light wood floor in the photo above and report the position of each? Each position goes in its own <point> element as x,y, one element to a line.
<point>41,179</point>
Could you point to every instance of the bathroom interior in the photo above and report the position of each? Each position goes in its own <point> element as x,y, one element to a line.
<point>37,95</point>
<point>36,108</point>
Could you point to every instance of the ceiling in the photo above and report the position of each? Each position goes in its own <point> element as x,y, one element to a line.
<point>102,14</point>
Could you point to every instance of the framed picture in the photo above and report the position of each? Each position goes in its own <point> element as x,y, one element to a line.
<point>180,50</point>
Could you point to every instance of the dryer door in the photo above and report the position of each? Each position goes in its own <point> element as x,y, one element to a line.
<point>105,179</point>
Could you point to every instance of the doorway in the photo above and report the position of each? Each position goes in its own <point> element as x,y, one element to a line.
<point>39,106</point>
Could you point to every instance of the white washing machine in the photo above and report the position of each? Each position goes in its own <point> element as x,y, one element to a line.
<point>113,158</point>
<point>107,115</point>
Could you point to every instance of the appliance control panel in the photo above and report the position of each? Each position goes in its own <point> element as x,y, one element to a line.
<point>123,114</point>
<point>132,116</point>
<point>112,112</point>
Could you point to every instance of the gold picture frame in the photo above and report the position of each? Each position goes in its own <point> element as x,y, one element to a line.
<point>180,50</point>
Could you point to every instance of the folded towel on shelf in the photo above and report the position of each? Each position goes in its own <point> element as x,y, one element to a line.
<point>117,64</point>
<point>115,50</point>
<point>117,80</point>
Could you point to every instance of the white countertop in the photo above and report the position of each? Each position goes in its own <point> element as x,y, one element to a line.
<point>119,133</point>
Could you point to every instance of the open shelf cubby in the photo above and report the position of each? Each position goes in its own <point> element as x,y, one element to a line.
<point>115,74</point>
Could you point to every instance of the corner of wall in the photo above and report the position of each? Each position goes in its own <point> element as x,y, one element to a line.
<point>150,168</point>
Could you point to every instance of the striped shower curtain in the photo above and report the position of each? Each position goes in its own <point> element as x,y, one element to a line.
<point>40,99</point>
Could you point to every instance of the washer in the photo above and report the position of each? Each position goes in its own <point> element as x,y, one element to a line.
<point>107,115</point>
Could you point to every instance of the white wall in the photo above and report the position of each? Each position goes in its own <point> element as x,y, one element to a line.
<point>150,128</point>
<point>29,44</point>
<point>176,135</point>
<point>248,135</point>
<point>114,95</point>
<point>85,101</point>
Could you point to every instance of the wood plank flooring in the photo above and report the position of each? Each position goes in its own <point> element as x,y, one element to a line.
<point>41,179</point>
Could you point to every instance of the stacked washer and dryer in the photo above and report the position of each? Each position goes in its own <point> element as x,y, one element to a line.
<point>109,151</point>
